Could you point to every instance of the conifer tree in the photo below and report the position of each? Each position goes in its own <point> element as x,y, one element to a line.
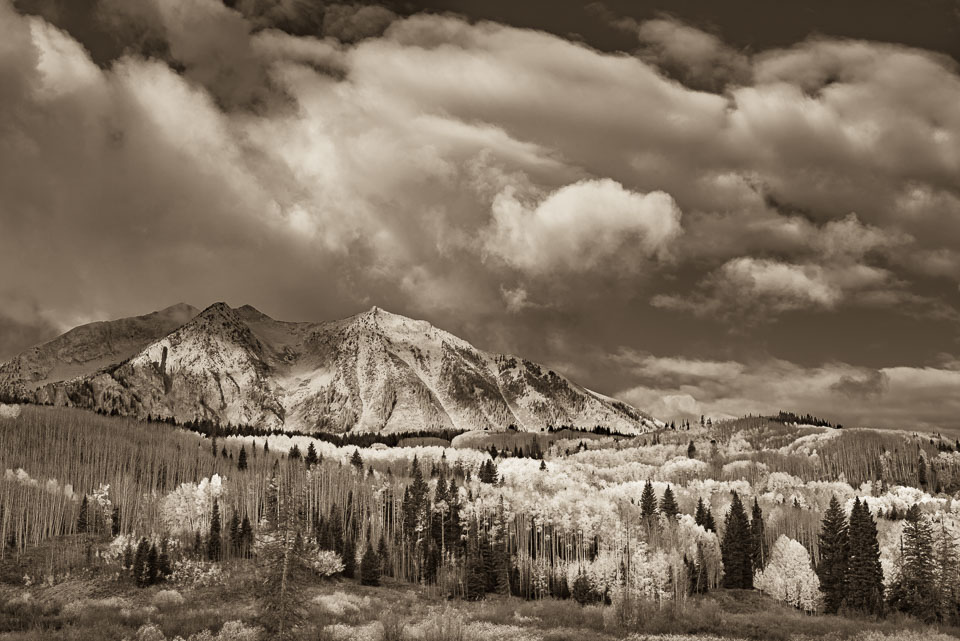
<point>153,566</point>
<point>582,590</point>
<point>691,450</point>
<point>312,458</point>
<point>163,561</point>
<point>281,556</point>
<point>922,472</point>
<point>383,556</point>
<point>128,557</point>
<point>140,563</point>
<point>349,558</point>
<point>543,465</point>
<point>864,590</point>
<point>356,460</point>
<point>708,523</point>
<point>294,453</point>
<point>758,538</point>
<point>700,515</point>
<point>648,501</point>
<point>246,537</point>
<point>234,534</point>
<point>242,459</point>
<point>115,522</point>
<point>214,542</point>
<point>736,548</point>
<point>915,589</point>
<point>82,518</point>
<point>832,570</point>
<point>370,567</point>
<point>948,577</point>
<point>668,504</point>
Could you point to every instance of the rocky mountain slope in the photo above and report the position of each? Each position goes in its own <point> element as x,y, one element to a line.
<point>375,371</point>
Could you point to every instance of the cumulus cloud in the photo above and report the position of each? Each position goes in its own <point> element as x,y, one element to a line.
<point>889,397</point>
<point>582,226</point>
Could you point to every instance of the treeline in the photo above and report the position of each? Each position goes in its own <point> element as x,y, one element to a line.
<point>805,419</point>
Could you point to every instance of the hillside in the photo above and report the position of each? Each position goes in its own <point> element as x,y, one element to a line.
<point>373,372</point>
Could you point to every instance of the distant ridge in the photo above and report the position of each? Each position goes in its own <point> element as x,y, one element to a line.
<point>372,372</point>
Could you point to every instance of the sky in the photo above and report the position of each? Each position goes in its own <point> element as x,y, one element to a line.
<point>720,209</point>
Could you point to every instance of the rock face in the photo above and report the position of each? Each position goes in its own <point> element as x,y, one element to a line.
<point>373,372</point>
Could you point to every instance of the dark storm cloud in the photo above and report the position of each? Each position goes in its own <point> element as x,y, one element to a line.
<point>529,191</point>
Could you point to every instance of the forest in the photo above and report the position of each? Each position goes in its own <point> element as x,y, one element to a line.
<point>845,530</point>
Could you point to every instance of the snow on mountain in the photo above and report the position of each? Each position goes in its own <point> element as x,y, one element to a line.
<point>373,372</point>
<point>86,349</point>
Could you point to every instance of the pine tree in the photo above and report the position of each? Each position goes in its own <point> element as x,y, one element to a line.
<point>128,557</point>
<point>648,501</point>
<point>312,458</point>
<point>864,590</point>
<point>370,567</point>
<point>915,589</point>
<point>582,591</point>
<point>115,522</point>
<point>757,537</point>
<point>294,453</point>
<point>543,465</point>
<point>708,523</point>
<point>356,460</point>
<point>234,534</point>
<point>246,537</point>
<point>82,518</point>
<point>214,542</point>
<point>691,450</point>
<point>140,563</point>
<point>736,548</point>
<point>700,515</point>
<point>832,570</point>
<point>281,558</point>
<point>383,556</point>
<point>668,504</point>
<point>153,566</point>
<point>242,459</point>
<point>922,472</point>
<point>163,561</point>
<point>948,577</point>
<point>349,558</point>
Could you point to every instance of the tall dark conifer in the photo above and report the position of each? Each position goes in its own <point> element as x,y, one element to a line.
<point>668,504</point>
<point>864,590</point>
<point>736,548</point>
<point>832,569</point>
<point>915,589</point>
<point>648,501</point>
<point>214,542</point>
<point>758,538</point>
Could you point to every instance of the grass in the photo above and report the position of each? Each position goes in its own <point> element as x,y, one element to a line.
<point>104,609</point>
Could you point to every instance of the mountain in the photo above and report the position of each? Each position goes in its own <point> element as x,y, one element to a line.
<point>86,349</point>
<point>373,372</point>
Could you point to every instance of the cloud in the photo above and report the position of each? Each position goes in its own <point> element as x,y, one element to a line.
<point>756,288</point>
<point>890,397</point>
<point>349,23</point>
<point>581,226</point>
<point>700,59</point>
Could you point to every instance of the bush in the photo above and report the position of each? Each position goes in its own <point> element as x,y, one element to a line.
<point>167,599</point>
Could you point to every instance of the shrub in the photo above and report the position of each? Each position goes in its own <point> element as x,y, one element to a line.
<point>167,599</point>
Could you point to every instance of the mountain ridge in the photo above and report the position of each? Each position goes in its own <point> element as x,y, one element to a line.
<point>371,372</point>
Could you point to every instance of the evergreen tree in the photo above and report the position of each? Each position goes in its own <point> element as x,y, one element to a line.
<point>383,555</point>
<point>281,559</point>
<point>864,590</point>
<point>736,548</point>
<point>199,551</point>
<point>832,570</point>
<point>582,591</point>
<point>242,459</point>
<point>163,561</point>
<point>128,557</point>
<point>246,537</point>
<point>648,501</point>
<point>668,504</point>
<point>915,589</point>
<point>708,523</point>
<point>153,566</point>
<point>349,558</point>
<point>356,460</point>
<point>948,578</point>
<point>758,538</point>
<point>140,563</point>
<point>691,450</point>
<point>312,458</point>
<point>214,542</point>
<point>370,567</point>
<point>543,465</point>
<point>294,453</point>
<point>922,472</point>
<point>82,518</point>
<point>700,515</point>
<point>115,521</point>
<point>234,534</point>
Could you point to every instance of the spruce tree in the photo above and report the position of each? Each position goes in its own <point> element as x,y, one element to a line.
<point>234,534</point>
<point>242,459</point>
<point>922,472</point>
<point>83,517</point>
<point>349,558</point>
<point>214,542</point>
<point>294,453</point>
<point>708,523</point>
<point>383,555</point>
<point>128,557</point>
<point>153,566</point>
<point>700,515</point>
<point>356,460</point>
<point>691,450</point>
<point>948,578</point>
<point>864,591</point>
<point>736,548</point>
<point>832,570</point>
<point>648,501</point>
<point>163,561</point>
<point>246,537</point>
<point>915,589</point>
<point>312,458</point>
<point>115,521</point>
<point>140,563</point>
<point>757,537</point>
<point>668,504</point>
<point>370,567</point>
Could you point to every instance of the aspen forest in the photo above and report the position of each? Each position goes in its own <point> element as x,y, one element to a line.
<point>644,530</point>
